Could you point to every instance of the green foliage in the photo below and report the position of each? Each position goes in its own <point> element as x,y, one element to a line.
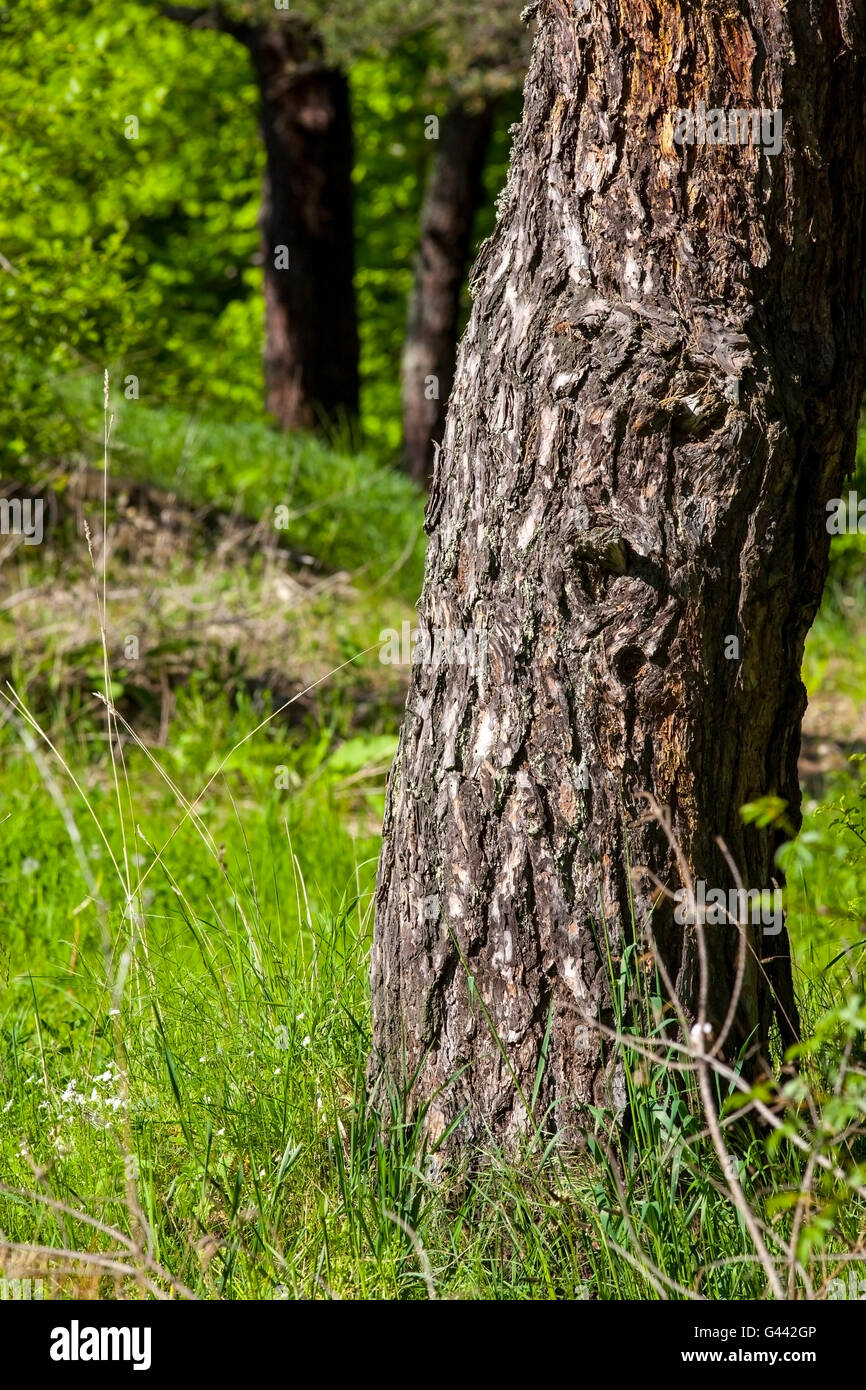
<point>130,250</point>
<point>142,253</point>
<point>848,552</point>
<point>826,870</point>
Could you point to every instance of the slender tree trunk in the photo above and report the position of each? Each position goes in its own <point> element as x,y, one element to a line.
<point>451,201</point>
<point>307,227</point>
<point>655,398</point>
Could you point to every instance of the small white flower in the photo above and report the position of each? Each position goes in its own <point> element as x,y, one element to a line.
<point>7,1107</point>
<point>276,1071</point>
<point>305,1042</point>
<point>700,1034</point>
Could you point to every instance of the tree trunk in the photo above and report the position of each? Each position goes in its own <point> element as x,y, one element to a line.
<point>655,398</point>
<point>306,219</point>
<point>311,333</point>
<point>452,198</point>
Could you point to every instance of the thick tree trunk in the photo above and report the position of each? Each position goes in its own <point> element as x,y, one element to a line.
<point>451,201</point>
<point>307,227</point>
<point>655,398</point>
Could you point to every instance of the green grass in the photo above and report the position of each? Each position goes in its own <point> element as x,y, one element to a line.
<point>344,506</point>
<point>229,1084</point>
<point>184,1007</point>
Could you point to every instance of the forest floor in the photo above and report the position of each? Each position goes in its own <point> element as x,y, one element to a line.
<point>185,914</point>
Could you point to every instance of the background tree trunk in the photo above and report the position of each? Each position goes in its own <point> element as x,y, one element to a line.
<point>452,198</point>
<point>311,333</point>
<point>306,220</point>
<point>656,396</point>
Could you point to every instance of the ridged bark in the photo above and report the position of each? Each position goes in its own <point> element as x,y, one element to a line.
<point>657,393</point>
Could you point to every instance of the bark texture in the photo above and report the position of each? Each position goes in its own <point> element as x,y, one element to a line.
<point>451,201</point>
<point>311,332</point>
<point>656,396</point>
